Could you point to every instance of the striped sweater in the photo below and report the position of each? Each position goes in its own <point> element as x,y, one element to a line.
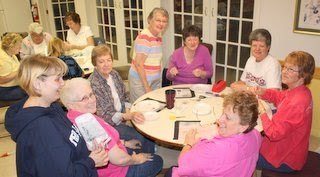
<point>150,46</point>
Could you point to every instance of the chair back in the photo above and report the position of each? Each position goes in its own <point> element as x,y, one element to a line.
<point>98,41</point>
<point>209,47</point>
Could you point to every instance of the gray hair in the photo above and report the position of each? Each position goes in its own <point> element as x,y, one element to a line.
<point>35,28</point>
<point>260,34</point>
<point>69,91</point>
<point>161,10</point>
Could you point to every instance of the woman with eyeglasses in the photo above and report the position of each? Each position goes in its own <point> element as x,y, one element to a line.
<point>285,145</point>
<point>47,144</point>
<point>233,152</point>
<point>126,157</point>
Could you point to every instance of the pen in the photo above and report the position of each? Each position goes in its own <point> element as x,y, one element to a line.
<point>6,154</point>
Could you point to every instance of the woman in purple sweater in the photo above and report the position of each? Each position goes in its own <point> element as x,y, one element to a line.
<point>191,63</point>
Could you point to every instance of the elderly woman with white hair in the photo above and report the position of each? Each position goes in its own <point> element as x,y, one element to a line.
<point>36,42</point>
<point>78,97</point>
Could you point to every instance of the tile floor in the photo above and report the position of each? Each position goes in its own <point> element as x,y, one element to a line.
<point>8,169</point>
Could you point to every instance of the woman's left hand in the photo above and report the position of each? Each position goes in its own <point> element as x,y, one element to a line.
<point>133,144</point>
<point>199,73</point>
<point>191,137</point>
<point>137,117</point>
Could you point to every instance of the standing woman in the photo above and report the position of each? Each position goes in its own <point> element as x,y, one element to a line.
<point>285,145</point>
<point>190,64</point>
<point>47,143</point>
<point>9,65</point>
<point>144,74</point>
<point>78,36</point>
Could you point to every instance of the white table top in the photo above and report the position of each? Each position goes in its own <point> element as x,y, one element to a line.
<point>162,129</point>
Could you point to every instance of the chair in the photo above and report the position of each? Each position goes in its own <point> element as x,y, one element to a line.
<point>165,82</point>
<point>98,41</point>
<point>210,48</point>
<point>310,169</point>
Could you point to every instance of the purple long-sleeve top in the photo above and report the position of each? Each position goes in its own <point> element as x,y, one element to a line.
<point>201,60</point>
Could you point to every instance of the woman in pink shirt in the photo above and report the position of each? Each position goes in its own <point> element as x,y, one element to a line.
<point>234,152</point>
<point>285,145</point>
<point>125,157</point>
<point>191,63</point>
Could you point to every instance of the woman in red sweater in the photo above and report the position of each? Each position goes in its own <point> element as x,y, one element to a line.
<point>285,145</point>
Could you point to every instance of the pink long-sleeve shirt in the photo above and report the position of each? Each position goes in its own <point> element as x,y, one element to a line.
<point>201,60</point>
<point>234,156</point>
<point>288,132</point>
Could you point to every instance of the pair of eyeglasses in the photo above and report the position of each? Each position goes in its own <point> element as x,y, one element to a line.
<point>287,69</point>
<point>86,97</point>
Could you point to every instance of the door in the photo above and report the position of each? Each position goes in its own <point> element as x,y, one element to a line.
<point>58,10</point>
<point>233,22</point>
<point>119,23</point>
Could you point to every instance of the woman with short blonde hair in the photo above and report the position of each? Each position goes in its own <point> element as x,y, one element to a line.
<point>47,142</point>
<point>9,64</point>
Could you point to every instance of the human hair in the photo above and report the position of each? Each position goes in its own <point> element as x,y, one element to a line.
<point>10,40</point>
<point>191,30</point>
<point>156,10</point>
<point>305,63</point>
<point>55,47</point>
<point>98,51</point>
<point>72,16</point>
<point>71,87</point>
<point>35,28</point>
<point>38,67</point>
<point>245,104</point>
<point>260,34</point>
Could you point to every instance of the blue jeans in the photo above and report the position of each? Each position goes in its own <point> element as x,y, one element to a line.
<point>148,168</point>
<point>128,133</point>
<point>263,163</point>
<point>11,93</point>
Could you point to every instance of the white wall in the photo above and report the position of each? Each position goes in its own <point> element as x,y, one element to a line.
<point>16,15</point>
<point>278,16</point>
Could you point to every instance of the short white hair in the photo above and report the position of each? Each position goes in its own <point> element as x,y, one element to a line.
<point>35,28</point>
<point>71,88</point>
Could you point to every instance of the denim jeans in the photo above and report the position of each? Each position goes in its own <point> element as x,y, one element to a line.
<point>169,172</point>
<point>148,168</point>
<point>11,93</point>
<point>263,163</point>
<point>128,133</point>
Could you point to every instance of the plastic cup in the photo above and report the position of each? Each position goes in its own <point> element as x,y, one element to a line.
<point>170,95</point>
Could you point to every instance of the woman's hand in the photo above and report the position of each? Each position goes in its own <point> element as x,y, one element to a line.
<point>191,137</point>
<point>141,157</point>
<point>261,107</point>
<point>99,155</point>
<point>138,117</point>
<point>133,144</point>
<point>257,90</point>
<point>174,71</point>
<point>199,73</point>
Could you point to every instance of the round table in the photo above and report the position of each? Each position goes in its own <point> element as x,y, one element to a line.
<point>163,129</point>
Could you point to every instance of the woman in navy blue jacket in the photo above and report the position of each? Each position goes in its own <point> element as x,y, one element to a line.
<point>47,144</point>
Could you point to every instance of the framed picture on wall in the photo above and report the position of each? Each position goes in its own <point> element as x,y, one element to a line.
<point>307,17</point>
